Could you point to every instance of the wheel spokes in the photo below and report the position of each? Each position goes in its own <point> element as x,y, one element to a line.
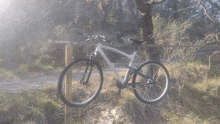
<point>86,82</point>
<point>150,82</point>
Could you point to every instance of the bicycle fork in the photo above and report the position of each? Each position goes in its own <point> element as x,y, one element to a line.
<point>84,75</point>
<point>92,57</point>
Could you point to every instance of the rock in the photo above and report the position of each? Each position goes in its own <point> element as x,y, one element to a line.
<point>109,116</point>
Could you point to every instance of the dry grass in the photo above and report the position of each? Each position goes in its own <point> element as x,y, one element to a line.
<point>39,106</point>
<point>193,98</point>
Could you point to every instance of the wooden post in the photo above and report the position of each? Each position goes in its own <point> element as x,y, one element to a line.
<point>68,83</point>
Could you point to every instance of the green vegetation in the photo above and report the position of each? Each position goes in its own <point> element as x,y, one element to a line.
<point>195,89</point>
<point>31,106</point>
<point>42,65</point>
<point>58,20</point>
<point>193,98</point>
<point>4,74</point>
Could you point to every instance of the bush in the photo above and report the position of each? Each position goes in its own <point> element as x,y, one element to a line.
<point>171,33</point>
<point>5,74</point>
<point>44,64</point>
<point>193,96</point>
<point>23,69</point>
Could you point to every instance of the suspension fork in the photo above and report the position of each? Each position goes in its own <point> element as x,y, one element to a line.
<point>84,75</point>
<point>90,62</point>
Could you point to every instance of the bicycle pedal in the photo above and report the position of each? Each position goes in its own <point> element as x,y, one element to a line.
<point>118,92</point>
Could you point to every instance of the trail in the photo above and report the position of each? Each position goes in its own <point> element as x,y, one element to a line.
<point>38,82</point>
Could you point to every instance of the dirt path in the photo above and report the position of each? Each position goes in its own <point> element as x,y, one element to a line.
<point>37,82</point>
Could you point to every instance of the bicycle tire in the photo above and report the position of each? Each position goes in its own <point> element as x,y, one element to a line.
<point>151,75</point>
<point>78,73</point>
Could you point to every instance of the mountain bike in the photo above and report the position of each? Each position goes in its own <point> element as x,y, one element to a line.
<point>150,80</point>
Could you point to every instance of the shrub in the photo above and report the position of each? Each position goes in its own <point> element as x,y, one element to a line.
<point>23,69</point>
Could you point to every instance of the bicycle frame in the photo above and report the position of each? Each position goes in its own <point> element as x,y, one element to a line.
<point>130,57</point>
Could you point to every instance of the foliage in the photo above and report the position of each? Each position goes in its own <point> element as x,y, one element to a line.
<point>28,106</point>
<point>192,98</point>
<point>5,74</point>
<point>23,69</point>
<point>194,95</point>
<point>173,30</point>
<point>172,33</point>
<point>30,25</point>
<point>30,28</point>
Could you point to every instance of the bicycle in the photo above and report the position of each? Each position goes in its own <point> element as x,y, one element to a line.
<point>150,81</point>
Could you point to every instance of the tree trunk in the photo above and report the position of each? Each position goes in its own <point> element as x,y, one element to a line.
<point>120,15</point>
<point>153,53</point>
<point>106,6</point>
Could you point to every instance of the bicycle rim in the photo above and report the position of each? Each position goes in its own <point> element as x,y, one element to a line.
<point>151,82</point>
<point>85,82</point>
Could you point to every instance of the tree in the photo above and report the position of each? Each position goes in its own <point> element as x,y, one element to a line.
<point>147,26</point>
<point>106,6</point>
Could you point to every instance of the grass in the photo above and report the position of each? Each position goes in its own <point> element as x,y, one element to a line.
<point>30,106</point>
<point>40,66</point>
<point>44,105</point>
<point>193,98</point>
<point>5,74</point>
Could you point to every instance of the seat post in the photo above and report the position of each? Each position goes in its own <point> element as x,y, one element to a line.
<point>136,47</point>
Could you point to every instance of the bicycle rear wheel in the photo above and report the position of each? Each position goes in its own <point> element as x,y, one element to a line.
<point>151,82</point>
<point>85,82</point>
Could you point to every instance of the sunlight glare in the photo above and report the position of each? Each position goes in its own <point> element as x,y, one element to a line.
<point>4,4</point>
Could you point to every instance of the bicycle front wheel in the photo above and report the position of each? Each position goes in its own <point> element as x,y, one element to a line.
<point>80,83</point>
<point>150,82</point>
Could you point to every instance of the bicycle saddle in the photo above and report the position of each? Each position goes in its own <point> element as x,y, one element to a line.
<point>139,42</point>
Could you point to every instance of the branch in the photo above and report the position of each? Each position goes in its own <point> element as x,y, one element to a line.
<point>207,13</point>
<point>205,10</point>
<point>155,1</point>
<point>214,4</point>
<point>199,2</point>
